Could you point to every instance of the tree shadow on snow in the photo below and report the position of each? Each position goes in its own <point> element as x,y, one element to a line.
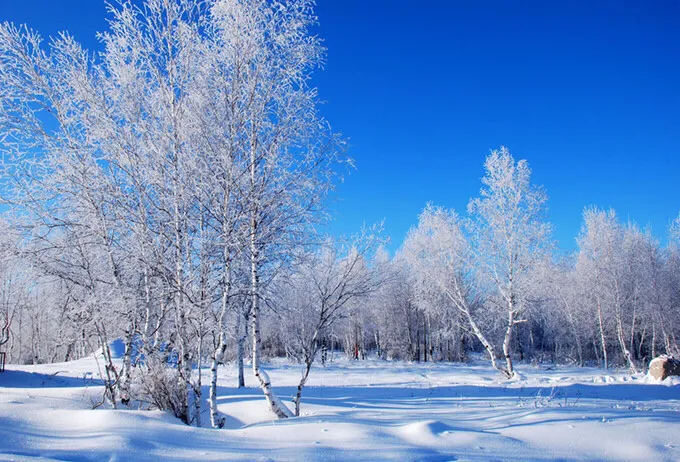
<point>625,392</point>
<point>372,405</point>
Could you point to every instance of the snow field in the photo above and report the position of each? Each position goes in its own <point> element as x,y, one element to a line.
<point>365,410</point>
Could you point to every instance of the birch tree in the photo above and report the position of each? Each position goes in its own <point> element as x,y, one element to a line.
<point>509,237</point>
<point>53,172</point>
<point>671,332</point>
<point>289,148</point>
<point>600,263</point>
<point>439,253</point>
<point>190,142</point>
<point>326,283</point>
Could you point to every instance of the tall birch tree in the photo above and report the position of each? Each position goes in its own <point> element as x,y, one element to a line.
<point>509,236</point>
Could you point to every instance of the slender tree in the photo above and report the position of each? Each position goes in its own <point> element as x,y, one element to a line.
<point>510,236</point>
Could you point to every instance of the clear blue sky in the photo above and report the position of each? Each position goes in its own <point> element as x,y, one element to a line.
<point>587,91</point>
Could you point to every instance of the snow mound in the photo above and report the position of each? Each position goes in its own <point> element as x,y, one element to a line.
<point>668,381</point>
<point>671,381</point>
<point>516,377</point>
<point>427,429</point>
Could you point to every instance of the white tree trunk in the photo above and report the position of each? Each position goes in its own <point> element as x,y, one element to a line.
<point>241,340</point>
<point>218,354</point>
<point>622,341</point>
<point>303,381</point>
<point>509,372</point>
<point>275,405</point>
<point>197,387</point>
<point>603,339</point>
<point>460,302</point>
<point>215,420</point>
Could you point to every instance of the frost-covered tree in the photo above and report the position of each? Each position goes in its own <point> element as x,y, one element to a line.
<point>509,237</point>
<point>669,309</point>
<point>483,265</point>
<point>394,312</point>
<point>439,254</point>
<point>602,265</point>
<point>626,281</point>
<point>144,176</point>
<point>289,148</point>
<point>319,294</point>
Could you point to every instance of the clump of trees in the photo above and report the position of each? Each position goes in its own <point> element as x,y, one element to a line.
<point>165,191</point>
<point>614,301</point>
<point>159,186</point>
<point>483,265</point>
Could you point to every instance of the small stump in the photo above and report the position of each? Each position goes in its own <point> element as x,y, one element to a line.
<point>664,366</point>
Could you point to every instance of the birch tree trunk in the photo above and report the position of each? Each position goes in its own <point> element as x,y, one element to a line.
<point>620,331</point>
<point>509,372</point>
<point>459,301</point>
<point>241,340</point>
<point>215,420</point>
<point>218,354</point>
<point>275,405</point>
<point>622,339</point>
<point>303,381</point>
<point>603,339</point>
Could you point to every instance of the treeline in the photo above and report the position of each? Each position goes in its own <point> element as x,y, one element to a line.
<point>493,281</point>
<point>615,302</point>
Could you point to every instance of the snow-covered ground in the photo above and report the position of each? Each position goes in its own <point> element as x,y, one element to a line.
<point>367,410</point>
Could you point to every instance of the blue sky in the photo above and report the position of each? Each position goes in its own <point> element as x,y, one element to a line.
<point>588,92</point>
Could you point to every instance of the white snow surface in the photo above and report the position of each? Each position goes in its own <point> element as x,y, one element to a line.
<point>354,410</point>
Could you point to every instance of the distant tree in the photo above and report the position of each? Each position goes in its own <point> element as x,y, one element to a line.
<point>670,310</point>
<point>320,293</point>
<point>439,254</point>
<point>509,237</point>
<point>606,264</point>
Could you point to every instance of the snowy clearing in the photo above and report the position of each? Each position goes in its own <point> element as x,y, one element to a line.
<point>361,410</point>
